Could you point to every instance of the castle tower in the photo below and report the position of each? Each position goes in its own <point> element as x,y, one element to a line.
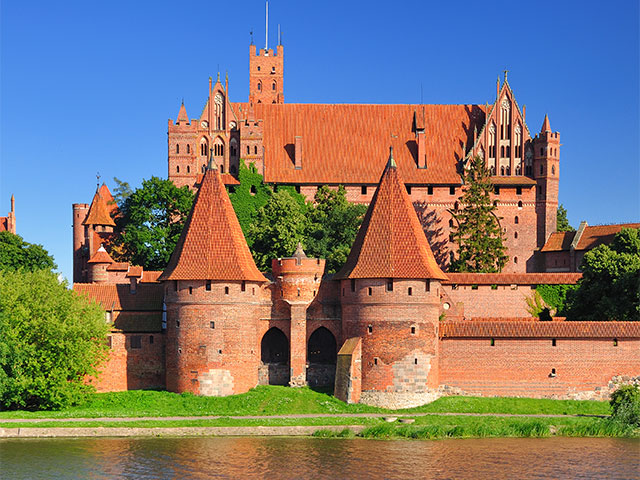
<point>297,282</point>
<point>98,265</point>
<point>212,295</point>
<point>390,295</point>
<point>546,171</point>
<point>91,225</point>
<point>266,74</point>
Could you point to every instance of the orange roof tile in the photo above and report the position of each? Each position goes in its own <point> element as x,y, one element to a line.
<point>227,179</point>
<point>111,296</point>
<point>134,272</point>
<point>101,256</point>
<point>558,242</point>
<point>105,193</point>
<point>512,278</point>
<point>212,246</point>
<point>150,276</point>
<point>182,115</point>
<point>599,234</point>
<point>118,267</point>
<point>99,212</point>
<point>391,242</point>
<point>528,329</point>
<point>343,144</point>
<point>518,180</point>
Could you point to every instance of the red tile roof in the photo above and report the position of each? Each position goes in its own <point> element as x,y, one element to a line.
<point>111,296</point>
<point>150,276</point>
<point>227,179</point>
<point>391,242</point>
<point>118,267</point>
<point>134,272</point>
<point>99,212</point>
<point>528,329</point>
<point>558,241</point>
<point>101,256</point>
<point>512,278</point>
<point>212,246</point>
<point>518,180</point>
<point>105,193</point>
<point>599,234</point>
<point>546,126</point>
<point>344,144</point>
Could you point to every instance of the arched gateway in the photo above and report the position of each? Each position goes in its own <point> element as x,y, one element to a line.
<point>274,356</point>
<point>321,356</point>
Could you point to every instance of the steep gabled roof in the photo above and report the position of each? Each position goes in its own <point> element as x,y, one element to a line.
<point>391,242</point>
<point>590,237</point>
<point>212,246</point>
<point>101,256</point>
<point>99,211</point>
<point>182,115</point>
<point>546,126</point>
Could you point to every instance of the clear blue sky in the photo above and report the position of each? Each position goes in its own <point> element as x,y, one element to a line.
<point>88,87</point>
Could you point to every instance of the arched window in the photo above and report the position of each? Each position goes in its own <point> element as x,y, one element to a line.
<point>515,235</point>
<point>492,140</point>
<point>273,86</point>
<point>508,169</point>
<point>519,204</point>
<point>218,147</point>
<point>188,169</point>
<point>255,150</point>
<point>515,259</point>
<point>502,151</point>
<point>218,100</point>
<point>233,147</point>
<point>188,148</point>
<point>204,147</point>
<point>259,86</point>
<point>505,120</point>
<point>516,220</point>
<point>541,169</point>
<point>247,149</point>
<point>553,169</point>
<point>178,169</point>
<point>502,170</point>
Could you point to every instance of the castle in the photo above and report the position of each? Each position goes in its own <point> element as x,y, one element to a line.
<point>391,328</point>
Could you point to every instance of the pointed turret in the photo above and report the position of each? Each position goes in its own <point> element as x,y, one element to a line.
<point>182,115</point>
<point>391,242</point>
<point>99,211</point>
<point>212,246</point>
<point>98,265</point>
<point>546,126</point>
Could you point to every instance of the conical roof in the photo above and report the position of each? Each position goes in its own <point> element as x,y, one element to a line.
<point>212,246</point>
<point>99,211</point>
<point>101,256</point>
<point>391,242</point>
<point>182,114</point>
<point>546,126</point>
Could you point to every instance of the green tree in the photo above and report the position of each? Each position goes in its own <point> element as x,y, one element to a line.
<point>478,233</point>
<point>248,197</point>
<point>50,340</point>
<point>563,222</point>
<point>150,223</point>
<point>610,284</point>
<point>121,192</point>
<point>333,225</point>
<point>16,254</point>
<point>279,225</point>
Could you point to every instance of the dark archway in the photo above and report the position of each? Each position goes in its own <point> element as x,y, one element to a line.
<point>274,356</point>
<point>321,355</point>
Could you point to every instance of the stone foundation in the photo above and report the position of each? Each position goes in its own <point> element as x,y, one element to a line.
<point>395,400</point>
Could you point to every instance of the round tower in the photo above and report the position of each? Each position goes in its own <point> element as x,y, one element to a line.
<point>97,266</point>
<point>390,295</point>
<point>297,280</point>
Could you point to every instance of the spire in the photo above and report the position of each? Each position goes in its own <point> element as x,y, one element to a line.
<point>299,253</point>
<point>99,211</point>
<point>211,165</point>
<point>212,246</point>
<point>546,126</point>
<point>391,163</point>
<point>391,242</point>
<point>182,114</point>
<point>101,256</point>
<point>13,204</point>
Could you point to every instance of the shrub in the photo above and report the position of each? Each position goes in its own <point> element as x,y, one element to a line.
<point>625,405</point>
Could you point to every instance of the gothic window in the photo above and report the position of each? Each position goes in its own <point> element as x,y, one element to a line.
<point>519,168</point>
<point>553,169</point>
<point>492,141</point>
<point>247,149</point>
<point>188,148</point>
<point>204,147</point>
<point>518,141</point>
<point>259,86</point>
<point>255,150</point>
<point>508,169</point>
<point>233,147</point>
<point>273,86</point>
<point>516,220</point>
<point>502,170</point>
<point>505,120</point>
<point>218,147</point>
<point>178,169</point>
<point>218,100</point>
<point>519,204</point>
<point>508,151</point>
<point>188,169</point>
<point>502,151</point>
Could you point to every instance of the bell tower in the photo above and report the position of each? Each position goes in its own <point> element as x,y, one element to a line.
<point>266,70</point>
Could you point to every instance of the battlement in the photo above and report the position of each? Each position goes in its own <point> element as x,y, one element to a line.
<point>298,278</point>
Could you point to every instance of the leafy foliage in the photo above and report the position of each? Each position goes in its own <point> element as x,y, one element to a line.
<point>478,233</point>
<point>333,225</point>
<point>50,339</point>
<point>16,254</point>
<point>249,197</point>
<point>610,284</point>
<point>279,225</point>
<point>625,405</point>
<point>555,296</point>
<point>537,307</point>
<point>150,223</point>
<point>121,192</point>
<point>562,221</point>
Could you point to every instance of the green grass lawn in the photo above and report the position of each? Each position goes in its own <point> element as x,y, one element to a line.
<point>273,400</point>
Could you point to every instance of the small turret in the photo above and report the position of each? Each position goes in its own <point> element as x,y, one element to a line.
<point>546,171</point>
<point>98,265</point>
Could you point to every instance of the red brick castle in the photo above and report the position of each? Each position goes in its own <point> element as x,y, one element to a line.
<point>391,327</point>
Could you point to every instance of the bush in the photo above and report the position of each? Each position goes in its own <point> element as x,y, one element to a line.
<point>625,405</point>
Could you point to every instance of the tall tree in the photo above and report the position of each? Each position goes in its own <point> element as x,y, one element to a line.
<point>150,222</point>
<point>121,192</point>
<point>248,197</point>
<point>16,254</point>
<point>610,284</point>
<point>333,225</point>
<point>563,222</point>
<point>50,340</point>
<point>478,233</point>
<point>280,224</point>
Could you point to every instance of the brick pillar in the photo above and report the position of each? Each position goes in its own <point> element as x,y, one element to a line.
<point>298,348</point>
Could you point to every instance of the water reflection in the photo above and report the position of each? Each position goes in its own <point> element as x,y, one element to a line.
<point>306,458</point>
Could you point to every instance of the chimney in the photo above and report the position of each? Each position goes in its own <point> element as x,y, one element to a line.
<point>297,155</point>
<point>133,286</point>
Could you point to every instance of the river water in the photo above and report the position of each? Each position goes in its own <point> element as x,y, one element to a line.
<point>314,458</point>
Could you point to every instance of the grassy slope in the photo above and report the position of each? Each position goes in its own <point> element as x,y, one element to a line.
<point>274,400</point>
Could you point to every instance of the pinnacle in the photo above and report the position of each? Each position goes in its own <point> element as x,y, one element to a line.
<point>546,126</point>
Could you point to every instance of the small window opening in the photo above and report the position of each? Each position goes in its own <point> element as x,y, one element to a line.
<point>255,150</point>
<point>429,190</point>
<point>150,339</point>
<point>370,329</point>
<point>220,352</point>
<point>212,325</point>
<point>297,188</point>
<point>516,220</point>
<point>494,287</point>
<point>515,259</point>
<point>415,361</point>
<point>298,292</point>
<point>353,284</point>
<point>492,342</point>
<point>370,291</point>
<point>413,330</point>
<point>520,204</point>
<point>375,360</point>
<point>178,169</point>
<point>452,190</point>
<point>451,223</point>
<point>363,190</point>
<point>226,290</point>
<point>188,148</point>
<point>553,342</point>
<point>208,286</point>
<point>515,234</point>
<point>177,323</point>
<point>427,286</point>
<point>615,342</point>
<point>553,372</point>
<point>253,190</point>
<point>474,287</point>
<point>243,286</point>
<point>496,190</point>
<point>390,285</point>
<point>190,290</point>
<point>175,285</point>
<point>188,169</point>
<point>177,148</point>
<point>410,291</point>
<point>518,190</point>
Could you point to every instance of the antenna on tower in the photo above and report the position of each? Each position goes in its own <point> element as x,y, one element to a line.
<point>266,26</point>
<point>279,42</point>
<point>421,93</point>
<point>251,34</point>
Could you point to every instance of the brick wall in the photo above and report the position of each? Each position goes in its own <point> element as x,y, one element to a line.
<point>486,300</point>
<point>523,367</point>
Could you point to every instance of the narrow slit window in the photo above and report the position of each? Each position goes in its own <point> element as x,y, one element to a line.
<point>208,286</point>
<point>553,342</point>
<point>390,285</point>
<point>492,342</point>
<point>212,325</point>
<point>410,291</point>
<point>413,330</point>
<point>226,290</point>
<point>370,329</point>
<point>353,284</point>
